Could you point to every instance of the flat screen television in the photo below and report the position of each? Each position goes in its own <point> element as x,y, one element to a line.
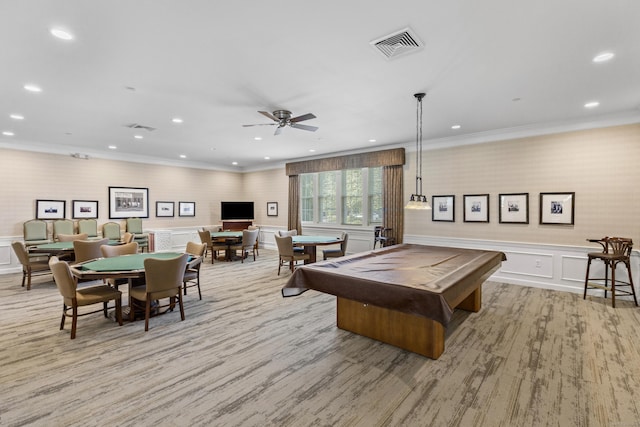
<point>236,210</point>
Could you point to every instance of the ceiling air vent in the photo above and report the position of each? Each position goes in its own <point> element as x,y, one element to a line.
<point>139,126</point>
<point>398,44</point>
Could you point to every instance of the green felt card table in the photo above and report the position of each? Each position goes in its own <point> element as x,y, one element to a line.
<point>119,267</point>
<point>56,248</point>
<point>309,243</point>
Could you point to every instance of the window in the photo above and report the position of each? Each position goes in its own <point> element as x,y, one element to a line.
<point>349,197</point>
<point>327,197</point>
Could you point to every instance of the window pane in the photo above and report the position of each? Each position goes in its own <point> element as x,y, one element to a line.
<point>306,197</point>
<point>375,195</point>
<point>327,197</point>
<point>352,196</point>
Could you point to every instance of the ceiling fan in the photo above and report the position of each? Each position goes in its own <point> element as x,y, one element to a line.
<point>283,118</point>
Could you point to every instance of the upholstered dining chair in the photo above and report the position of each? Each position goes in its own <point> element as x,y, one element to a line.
<point>134,226</point>
<point>255,227</point>
<point>215,247</point>
<point>127,237</point>
<point>286,253</point>
<point>89,226</point>
<point>35,232</point>
<point>72,237</point>
<point>334,253</point>
<point>73,298</point>
<point>248,243</point>
<point>281,233</point>
<point>86,250</point>
<point>62,226</point>
<point>109,251</point>
<point>163,280</point>
<point>192,273</point>
<point>615,250</point>
<point>32,264</point>
<point>111,230</point>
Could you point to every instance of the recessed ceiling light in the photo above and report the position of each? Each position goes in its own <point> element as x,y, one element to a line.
<point>312,150</point>
<point>8,133</point>
<point>182,156</point>
<point>177,120</point>
<point>258,138</point>
<point>32,88</point>
<point>267,157</point>
<point>112,147</point>
<point>234,163</point>
<point>372,140</point>
<point>603,57</point>
<point>592,104</point>
<point>62,34</point>
<point>456,127</point>
<point>138,136</point>
<point>16,116</point>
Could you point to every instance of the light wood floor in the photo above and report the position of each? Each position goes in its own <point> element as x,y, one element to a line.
<point>245,356</point>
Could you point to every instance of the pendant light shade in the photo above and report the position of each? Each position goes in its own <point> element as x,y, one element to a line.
<point>418,200</point>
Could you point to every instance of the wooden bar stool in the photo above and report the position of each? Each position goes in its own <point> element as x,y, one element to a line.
<point>615,250</point>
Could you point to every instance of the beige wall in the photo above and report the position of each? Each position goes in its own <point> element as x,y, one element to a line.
<point>601,166</point>
<point>27,176</point>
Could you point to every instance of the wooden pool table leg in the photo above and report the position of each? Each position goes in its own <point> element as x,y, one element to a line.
<point>409,332</point>
<point>473,302</point>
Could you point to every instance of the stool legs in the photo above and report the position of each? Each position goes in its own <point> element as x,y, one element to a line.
<point>610,283</point>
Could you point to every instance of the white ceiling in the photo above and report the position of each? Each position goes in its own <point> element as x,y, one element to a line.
<point>215,64</point>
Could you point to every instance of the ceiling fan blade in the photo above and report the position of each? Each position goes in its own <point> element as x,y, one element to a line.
<point>307,116</point>
<point>267,114</point>
<point>304,127</point>
<point>259,124</point>
<point>278,130</point>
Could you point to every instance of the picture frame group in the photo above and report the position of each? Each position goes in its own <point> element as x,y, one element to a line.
<point>556,208</point>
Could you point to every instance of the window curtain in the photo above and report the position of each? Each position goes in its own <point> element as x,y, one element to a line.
<point>293,216</point>
<point>392,184</point>
<point>392,201</point>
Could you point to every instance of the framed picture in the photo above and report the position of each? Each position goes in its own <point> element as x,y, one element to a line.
<point>272,208</point>
<point>128,202</point>
<point>186,208</point>
<point>514,208</point>
<point>165,209</point>
<point>476,208</point>
<point>442,208</point>
<point>50,209</point>
<point>557,208</point>
<point>84,209</point>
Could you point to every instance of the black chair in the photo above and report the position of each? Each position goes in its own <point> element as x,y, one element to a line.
<point>615,250</point>
<point>380,235</point>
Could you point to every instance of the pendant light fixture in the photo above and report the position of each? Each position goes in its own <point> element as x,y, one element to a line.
<point>418,200</point>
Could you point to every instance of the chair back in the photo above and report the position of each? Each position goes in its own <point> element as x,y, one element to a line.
<point>164,276</point>
<point>72,237</point>
<point>343,245</point>
<point>110,251</point>
<point>86,250</point>
<point>287,233</point>
<point>619,246</point>
<point>62,226</point>
<point>285,245</point>
<point>21,252</point>
<point>249,238</point>
<point>111,230</point>
<point>377,231</point>
<point>134,225</point>
<point>205,237</point>
<point>65,282</point>
<point>89,226</point>
<point>35,229</point>
<point>196,249</point>
<point>127,237</point>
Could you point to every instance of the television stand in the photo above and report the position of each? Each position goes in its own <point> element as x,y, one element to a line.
<point>238,225</point>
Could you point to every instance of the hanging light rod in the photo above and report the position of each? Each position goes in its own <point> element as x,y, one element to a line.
<point>418,200</point>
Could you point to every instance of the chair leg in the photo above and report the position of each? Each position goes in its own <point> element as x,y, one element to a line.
<point>74,321</point>
<point>104,309</point>
<point>119,311</point>
<point>613,285</point>
<point>586,280</point>
<point>607,266</point>
<point>147,313</point>
<point>29,278</point>
<point>198,284</point>
<point>24,277</point>
<point>291,266</point>
<point>64,310</point>
<point>181,307</point>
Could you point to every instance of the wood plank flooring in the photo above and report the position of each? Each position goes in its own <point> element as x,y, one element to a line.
<point>245,356</point>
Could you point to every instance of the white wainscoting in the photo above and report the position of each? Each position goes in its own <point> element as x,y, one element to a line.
<point>538,265</point>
